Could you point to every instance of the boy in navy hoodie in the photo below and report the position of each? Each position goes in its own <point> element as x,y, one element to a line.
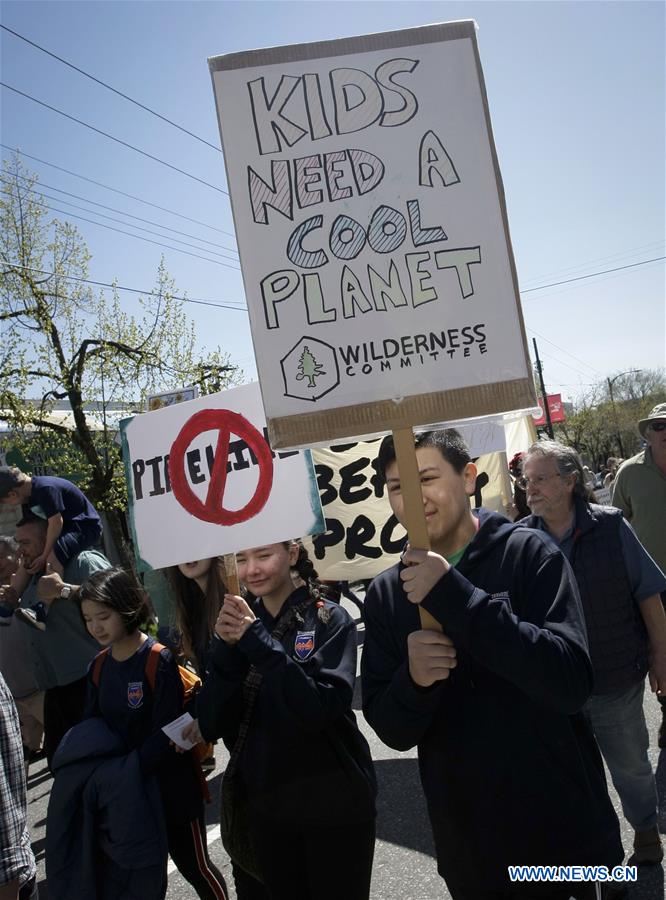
<point>509,767</point>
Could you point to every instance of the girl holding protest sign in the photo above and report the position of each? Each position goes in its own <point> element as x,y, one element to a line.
<point>279,693</point>
<point>136,687</point>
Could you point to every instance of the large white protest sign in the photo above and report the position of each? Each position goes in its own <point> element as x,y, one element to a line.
<point>372,232</point>
<point>362,536</point>
<point>202,481</point>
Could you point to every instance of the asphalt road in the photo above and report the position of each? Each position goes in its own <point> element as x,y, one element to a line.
<point>404,865</point>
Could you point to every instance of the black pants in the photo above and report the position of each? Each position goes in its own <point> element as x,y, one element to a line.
<point>310,862</point>
<point>63,708</point>
<point>188,849</point>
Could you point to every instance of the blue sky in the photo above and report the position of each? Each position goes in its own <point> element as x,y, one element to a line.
<point>576,94</point>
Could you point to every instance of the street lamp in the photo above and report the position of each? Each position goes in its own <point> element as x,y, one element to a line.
<point>611,382</point>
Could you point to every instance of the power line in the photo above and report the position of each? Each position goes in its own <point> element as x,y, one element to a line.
<point>112,138</point>
<point>632,251</point>
<point>112,219</point>
<point>137,237</point>
<point>230,234</point>
<point>119,211</point>
<point>593,274</point>
<point>120,287</point>
<point>562,350</point>
<point>108,87</point>
<point>116,191</point>
<point>568,365</point>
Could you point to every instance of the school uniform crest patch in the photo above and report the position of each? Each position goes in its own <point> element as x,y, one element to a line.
<point>304,645</point>
<point>135,694</point>
<point>503,595</point>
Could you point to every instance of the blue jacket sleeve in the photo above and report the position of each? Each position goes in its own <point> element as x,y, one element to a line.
<point>313,694</point>
<point>397,709</point>
<point>220,701</point>
<point>645,576</point>
<point>542,651</point>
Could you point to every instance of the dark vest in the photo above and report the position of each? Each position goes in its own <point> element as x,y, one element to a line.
<point>615,629</point>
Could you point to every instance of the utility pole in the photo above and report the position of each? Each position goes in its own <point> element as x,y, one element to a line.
<point>546,408</point>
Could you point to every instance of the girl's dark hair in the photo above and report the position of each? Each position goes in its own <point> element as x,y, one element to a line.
<point>196,611</point>
<point>121,592</point>
<point>305,569</point>
<point>304,565</point>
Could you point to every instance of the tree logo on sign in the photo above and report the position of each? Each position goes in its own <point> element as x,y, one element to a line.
<point>310,369</point>
<point>212,508</point>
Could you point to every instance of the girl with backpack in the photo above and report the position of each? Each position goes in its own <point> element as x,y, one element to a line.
<point>136,686</point>
<point>279,693</point>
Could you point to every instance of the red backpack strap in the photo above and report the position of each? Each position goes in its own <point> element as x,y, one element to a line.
<point>152,663</point>
<point>97,666</point>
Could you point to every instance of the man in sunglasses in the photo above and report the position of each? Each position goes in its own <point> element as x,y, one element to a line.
<point>639,490</point>
<point>620,587</point>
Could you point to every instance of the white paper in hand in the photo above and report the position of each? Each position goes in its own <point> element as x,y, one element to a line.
<point>173,731</point>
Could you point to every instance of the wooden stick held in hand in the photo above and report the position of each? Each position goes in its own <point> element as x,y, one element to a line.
<point>231,574</point>
<point>410,486</point>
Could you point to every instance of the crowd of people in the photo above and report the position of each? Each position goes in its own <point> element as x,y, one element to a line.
<point>547,629</point>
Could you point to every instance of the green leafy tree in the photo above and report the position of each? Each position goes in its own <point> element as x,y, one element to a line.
<point>605,425</point>
<point>61,340</point>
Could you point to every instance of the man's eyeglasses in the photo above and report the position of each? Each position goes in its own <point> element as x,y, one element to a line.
<point>657,426</point>
<point>524,482</point>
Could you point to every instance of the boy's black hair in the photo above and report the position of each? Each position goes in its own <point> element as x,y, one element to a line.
<point>448,441</point>
<point>11,478</point>
<point>121,592</point>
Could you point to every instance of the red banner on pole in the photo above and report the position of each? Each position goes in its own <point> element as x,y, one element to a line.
<point>556,410</point>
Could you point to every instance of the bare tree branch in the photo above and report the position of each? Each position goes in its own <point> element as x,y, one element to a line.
<point>34,372</point>
<point>79,359</point>
<point>17,314</point>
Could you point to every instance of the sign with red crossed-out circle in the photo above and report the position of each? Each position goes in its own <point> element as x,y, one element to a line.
<point>204,481</point>
<point>212,509</point>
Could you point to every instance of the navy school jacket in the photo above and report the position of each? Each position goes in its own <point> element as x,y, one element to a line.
<point>305,759</point>
<point>126,703</point>
<point>509,766</point>
<point>105,835</point>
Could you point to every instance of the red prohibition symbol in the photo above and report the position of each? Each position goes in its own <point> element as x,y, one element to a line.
<point>226,423</point>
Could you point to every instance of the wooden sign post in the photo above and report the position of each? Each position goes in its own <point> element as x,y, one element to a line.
<point>415,521</point>
<point>231,574</point>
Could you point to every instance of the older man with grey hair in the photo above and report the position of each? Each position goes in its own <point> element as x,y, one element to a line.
<point>620,587</point>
